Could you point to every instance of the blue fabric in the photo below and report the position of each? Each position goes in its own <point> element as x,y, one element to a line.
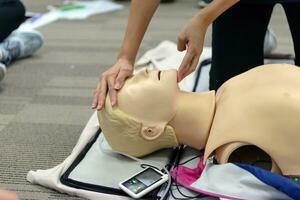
<point>281,183</point>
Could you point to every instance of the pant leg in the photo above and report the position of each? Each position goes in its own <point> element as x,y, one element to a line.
<point>292,11</point>
<point>12,14</point>
<point>238,40</point>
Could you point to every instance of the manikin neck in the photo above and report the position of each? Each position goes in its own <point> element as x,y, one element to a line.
<point>193,119</point>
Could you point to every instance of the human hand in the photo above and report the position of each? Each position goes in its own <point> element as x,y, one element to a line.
<point>112,80</point>
<point>191,39</point>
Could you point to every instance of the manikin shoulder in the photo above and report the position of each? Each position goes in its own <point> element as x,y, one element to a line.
<point>264,81</point>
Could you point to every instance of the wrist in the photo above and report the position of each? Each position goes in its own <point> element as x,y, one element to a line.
<point>127,59</point>
<point>204,18</point>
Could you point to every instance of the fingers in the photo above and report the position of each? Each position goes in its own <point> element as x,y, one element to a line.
<point>189,63</point>
<point>95,98</point>
<point>112,80</point>
<point>185,65</point>
<point>192,66</point>
<point>106,84</point>
<point>111,90</point>
<point>102,94</point>
<point>181,43</point>
<point>124,73</point>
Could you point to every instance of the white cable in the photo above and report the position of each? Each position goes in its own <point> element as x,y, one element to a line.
<point>153,163</point>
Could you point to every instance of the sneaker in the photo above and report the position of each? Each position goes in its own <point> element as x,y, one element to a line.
<point>270,42</point>
<point>2,71</point>
<point>20,44</point>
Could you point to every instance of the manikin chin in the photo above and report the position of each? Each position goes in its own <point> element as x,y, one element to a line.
<point>253,118</point>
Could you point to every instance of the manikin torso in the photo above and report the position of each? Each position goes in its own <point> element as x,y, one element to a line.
<point>260,107</point>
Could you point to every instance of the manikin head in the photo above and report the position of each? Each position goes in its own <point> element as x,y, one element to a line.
<point>138,125</point>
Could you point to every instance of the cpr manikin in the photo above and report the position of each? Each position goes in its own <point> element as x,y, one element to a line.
<point>254,117</point>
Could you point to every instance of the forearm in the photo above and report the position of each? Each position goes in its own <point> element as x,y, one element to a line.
<point>141,12</point>
<point>215,9</point>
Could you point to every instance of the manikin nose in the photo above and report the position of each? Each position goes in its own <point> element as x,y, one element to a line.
<point>155,74</point>
<point>142,74</point>
<point>145,72</point>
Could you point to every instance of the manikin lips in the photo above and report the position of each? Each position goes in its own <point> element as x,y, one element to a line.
<point>159,72</point>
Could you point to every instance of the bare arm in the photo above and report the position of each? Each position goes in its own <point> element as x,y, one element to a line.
<point>141,12</point>
<point>193,33</point>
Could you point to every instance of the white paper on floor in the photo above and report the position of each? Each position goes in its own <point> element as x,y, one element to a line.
<point>76,10</point>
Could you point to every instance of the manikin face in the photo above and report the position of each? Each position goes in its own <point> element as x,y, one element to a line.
<point>150,96</point>
<point>139,124</point>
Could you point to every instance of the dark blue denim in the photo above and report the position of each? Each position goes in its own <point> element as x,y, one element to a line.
<point>238,38</point>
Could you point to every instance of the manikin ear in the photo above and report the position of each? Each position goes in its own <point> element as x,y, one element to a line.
<point>151,132</point>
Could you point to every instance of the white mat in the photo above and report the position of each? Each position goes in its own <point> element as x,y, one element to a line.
<point>94,167</point>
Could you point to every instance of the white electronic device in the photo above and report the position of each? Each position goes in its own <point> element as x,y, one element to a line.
<point>143,182</point>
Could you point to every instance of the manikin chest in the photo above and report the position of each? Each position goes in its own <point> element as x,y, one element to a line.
<point>260,107</point>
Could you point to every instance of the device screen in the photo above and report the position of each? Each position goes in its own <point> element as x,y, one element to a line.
<point>143,180</point>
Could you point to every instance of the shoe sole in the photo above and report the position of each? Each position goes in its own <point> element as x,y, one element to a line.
<point>2,72</point>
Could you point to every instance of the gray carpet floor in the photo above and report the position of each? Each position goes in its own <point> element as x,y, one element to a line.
<point>45,100</point>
